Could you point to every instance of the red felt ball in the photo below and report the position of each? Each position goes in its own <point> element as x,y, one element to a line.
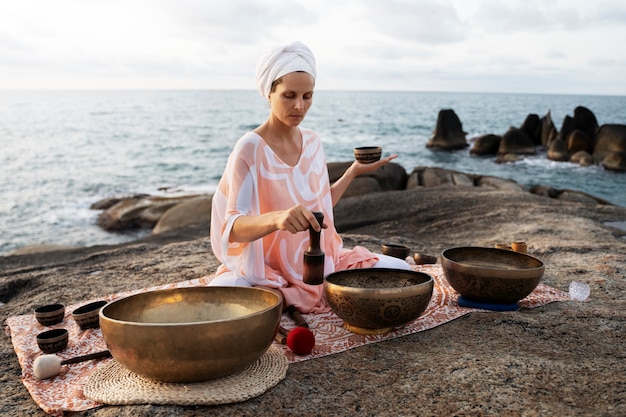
<point>301,341</point>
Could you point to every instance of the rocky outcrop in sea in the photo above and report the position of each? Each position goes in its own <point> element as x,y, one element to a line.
<point>580,139</point>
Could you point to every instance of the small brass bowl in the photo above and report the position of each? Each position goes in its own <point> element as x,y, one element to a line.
<point>423,259</point>
<point>52,341</point>
<point>50,314</point>
<point>375,300</point>
<point>191,334</point>
<point>491,275</point>
<point>368,154</point>
<point>88,316</point>
<point>397,251</point>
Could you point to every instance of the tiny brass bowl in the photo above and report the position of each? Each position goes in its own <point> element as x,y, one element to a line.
<point>191,334</point>
<point>397,251</point>
<point>491,275</point>
<point>52,341</point>
<point>375,300</point>
<point>423,259</point>
<point>88,316</point>
<point>368,154</point>
<point>50,314</point>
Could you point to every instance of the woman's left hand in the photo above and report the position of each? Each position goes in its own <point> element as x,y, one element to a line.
<point>360,168</point>
<point>357,168</point>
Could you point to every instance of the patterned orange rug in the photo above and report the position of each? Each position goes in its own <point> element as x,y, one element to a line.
<point>65,392</point>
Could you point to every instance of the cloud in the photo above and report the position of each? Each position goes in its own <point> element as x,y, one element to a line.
<point>554,54</point>
<point>426,22</point>
<point>527,16</point>
<point>532,16</point>
<point>359,44</point>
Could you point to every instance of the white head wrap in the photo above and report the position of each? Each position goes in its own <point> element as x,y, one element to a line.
<point>280,61</point>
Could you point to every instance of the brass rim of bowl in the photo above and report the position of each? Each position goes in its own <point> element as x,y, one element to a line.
<point>365,292</point>
<point>110,305</point>
<point>53,335</point>
<point>88,309</point>
<point>395,246</point>
<point>367,148</point>
<point>490,272</point>
<point>50,309</point>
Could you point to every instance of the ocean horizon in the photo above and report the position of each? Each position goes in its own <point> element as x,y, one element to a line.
<point>64,150</point>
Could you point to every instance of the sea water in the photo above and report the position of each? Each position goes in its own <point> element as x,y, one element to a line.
<point>62,151</point>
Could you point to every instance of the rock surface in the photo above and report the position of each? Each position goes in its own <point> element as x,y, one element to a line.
<point>448,133</point>
<point>564,358</point>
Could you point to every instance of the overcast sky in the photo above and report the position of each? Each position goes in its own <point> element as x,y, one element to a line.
<point>534,46</point>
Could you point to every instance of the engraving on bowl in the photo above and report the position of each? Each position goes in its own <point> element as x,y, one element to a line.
<point>392,312</point>
<point>345,309</point>
<point>50,314</point>
<point>369,313</point>
<point>374,298</point>
<point>491,275</point>
<point>52,341</point>
<point>368,154</point>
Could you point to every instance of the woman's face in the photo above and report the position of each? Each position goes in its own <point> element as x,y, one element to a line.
<point>292,97</point>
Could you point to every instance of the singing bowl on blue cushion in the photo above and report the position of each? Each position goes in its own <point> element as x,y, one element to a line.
<point>375,300</point>
<point>491,275</point>
<point>191,334</point>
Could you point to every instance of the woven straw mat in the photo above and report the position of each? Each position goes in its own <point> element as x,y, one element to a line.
<point>114,384</point>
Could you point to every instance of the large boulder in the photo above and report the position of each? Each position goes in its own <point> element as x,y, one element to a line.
<point>567,127</point>
<point>498,183</point>
<point>506,158</point>
<point>583,158</point>
<point>389,177</point>
<point>532,127</point>
<point>615,161</point>
<point>557,151</point>
<point>548,130</point>
<point>579,140</point>
<point>437,177</point>
<point>565,194</point>
<point>610,139</point>
<point>196,211</point>
<point>448,133</point>
<point>585,120</point>
<point>430,177</point>
<point>136,212</point>
<point>107,202</point>
<point>516,141</point>
<point>486,145</point>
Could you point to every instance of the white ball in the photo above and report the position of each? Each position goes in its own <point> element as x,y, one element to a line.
<point>47,366</point>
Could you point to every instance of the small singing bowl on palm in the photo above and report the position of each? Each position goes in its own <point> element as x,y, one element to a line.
<point>50,314</point>
<point>368,154</point>
<point>491,275</point>
<point>376,300</point>
<point>52,341</point>
<point>88,316</point>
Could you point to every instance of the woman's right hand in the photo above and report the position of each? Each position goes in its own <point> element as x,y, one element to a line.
<point>297,219</point>
<point>294,220</point>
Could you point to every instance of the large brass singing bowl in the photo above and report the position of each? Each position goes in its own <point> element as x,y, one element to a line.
<point>375,300</point>
<point>191,334</point>
<point>491,275</point>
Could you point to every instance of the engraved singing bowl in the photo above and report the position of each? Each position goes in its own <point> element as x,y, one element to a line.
<point>191,334</point>
<point>368,154</point>
<point>375,300</point>
<point>491,275</point>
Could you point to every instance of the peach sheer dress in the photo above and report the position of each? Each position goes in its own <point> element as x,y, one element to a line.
<point>256,181</point>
